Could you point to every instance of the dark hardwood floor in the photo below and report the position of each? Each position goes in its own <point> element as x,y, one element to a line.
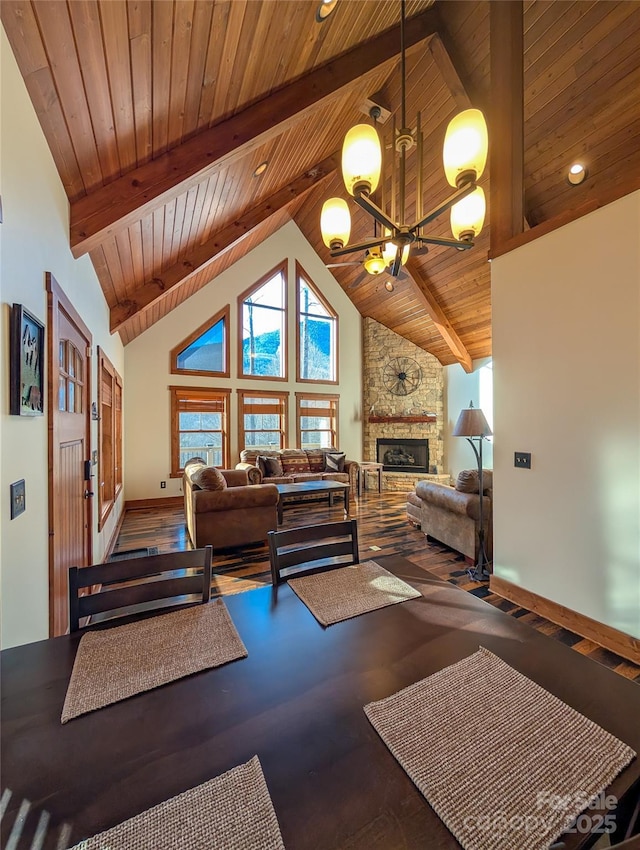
<point>382,526</point>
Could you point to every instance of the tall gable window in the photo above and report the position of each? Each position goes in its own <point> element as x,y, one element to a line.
<point>206,350</point>
<point>198,427</point>
<point>262,311</point>
<point>317,333</point>
<point>263,419</point>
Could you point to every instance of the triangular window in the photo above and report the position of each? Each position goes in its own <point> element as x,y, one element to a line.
<point>206,350</point>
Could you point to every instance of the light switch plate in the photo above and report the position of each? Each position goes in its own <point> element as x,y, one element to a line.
<point>18,498</point>
<point>522,460</point>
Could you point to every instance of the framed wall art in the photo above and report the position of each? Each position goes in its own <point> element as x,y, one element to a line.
<point>27,363</point>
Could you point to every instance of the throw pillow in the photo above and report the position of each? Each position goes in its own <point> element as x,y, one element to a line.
<point>334,462</point>
<point>467,481</point>
<point>272,466</point>
<point>209,478</point>
<point>261,465</point>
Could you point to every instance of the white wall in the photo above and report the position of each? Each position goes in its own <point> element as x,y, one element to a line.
<point>461,388</point>
<point>147,408</point>
<point>566,346</point>
<point>34,239</point>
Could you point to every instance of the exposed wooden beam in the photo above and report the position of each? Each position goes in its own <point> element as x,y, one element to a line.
<point>458,87</point>
<point>222,241</point>
<point>125,200</point>
<point>507,121</point>
<point>450,73</point>
<point>426,299</point>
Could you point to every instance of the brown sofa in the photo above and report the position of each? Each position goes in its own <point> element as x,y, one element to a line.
<point>298,465</point>
<point>451,515</point>
<point>230,517</point>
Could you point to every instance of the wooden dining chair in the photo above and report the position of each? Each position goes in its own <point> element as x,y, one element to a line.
<point>172,578</point>
<point>312,549</point>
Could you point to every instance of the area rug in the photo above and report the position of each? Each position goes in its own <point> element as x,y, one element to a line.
<point>117,663</point>
<point>347,592</point>
<point>231,812</point>
<point>501,760</point>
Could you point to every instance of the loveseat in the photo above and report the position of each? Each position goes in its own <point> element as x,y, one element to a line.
<point>223,509</point>
<point>451,515</point>
<point>293,466</point>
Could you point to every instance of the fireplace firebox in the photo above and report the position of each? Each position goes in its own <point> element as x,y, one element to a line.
<point>403,455</point>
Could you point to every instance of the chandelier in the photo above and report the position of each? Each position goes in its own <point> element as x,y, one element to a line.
<point>464,159</point>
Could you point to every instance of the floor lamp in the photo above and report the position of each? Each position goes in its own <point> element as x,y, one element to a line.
<point>473,425</point>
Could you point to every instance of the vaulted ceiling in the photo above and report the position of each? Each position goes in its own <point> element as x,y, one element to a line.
<point>157,114</point>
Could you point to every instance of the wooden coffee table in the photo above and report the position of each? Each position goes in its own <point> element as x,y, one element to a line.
<point>291,491</point>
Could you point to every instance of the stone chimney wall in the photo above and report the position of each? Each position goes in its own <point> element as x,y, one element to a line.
<point>380,346</point>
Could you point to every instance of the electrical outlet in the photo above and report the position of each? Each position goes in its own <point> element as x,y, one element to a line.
<point>522,460</point>
<point>163,484</point>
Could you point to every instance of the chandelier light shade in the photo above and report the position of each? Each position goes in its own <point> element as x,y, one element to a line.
<point>467,216</point>
<point>466,145</point>
<point>335,223</point>
<point>389,251</point>
<point>374,262</point>
<point>361,159</point>
<point>325,8</point>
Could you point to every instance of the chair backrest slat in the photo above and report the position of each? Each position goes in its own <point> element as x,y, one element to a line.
<point>307,533</point>
<point>309,554</point>
<point>109,600</point>
<point>186,574</point>
<point>336,545</point>
<point>131,568</point>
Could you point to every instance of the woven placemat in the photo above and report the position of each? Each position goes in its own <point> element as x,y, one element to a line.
<point>502,761</point>
<point>117,663</point>
<point>350,591</point>
<point>231,812</point>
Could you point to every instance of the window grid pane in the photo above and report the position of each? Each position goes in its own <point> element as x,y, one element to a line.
<point>317,421</point>
<point>199,422</point>
<point>263,420</point>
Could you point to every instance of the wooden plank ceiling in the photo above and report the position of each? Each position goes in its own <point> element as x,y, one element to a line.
<point>157,114</point>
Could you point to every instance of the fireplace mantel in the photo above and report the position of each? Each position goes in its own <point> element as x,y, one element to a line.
<point>425,417</point>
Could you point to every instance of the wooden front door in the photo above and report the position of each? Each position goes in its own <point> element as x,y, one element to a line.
<point>69,405</point>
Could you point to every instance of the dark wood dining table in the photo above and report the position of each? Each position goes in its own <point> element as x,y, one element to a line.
<point>297,702</point>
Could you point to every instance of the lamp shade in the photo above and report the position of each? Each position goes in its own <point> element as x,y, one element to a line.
<point>389,250</point>
<point>472,423</point>
<point>361,159</point>
<point>467,216</point>
<point>335,223</point>
<point>465,147</point>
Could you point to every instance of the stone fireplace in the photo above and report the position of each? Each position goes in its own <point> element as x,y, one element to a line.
<point>396,419</point>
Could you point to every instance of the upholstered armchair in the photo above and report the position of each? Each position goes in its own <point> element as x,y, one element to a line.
<point>451,515</point>
<point>223,509</point>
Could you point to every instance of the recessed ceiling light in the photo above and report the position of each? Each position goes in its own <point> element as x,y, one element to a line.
<point>261,169</point>
<point>576,174</point>
<point>325,8</point>
<point>389,286</point>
